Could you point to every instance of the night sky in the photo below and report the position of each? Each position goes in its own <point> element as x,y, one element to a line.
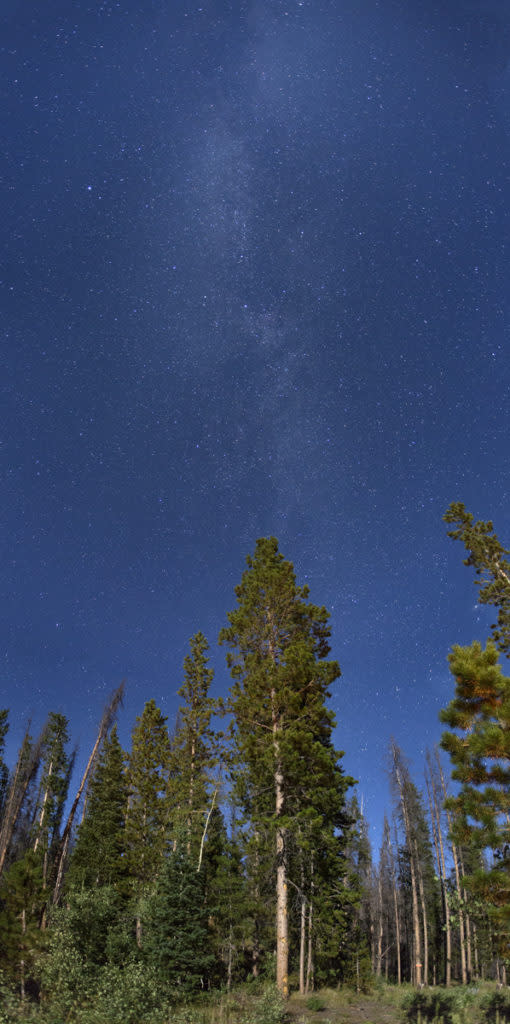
<point>255,263</point>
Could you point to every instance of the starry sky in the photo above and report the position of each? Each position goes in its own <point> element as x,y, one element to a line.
<point>255,261</point>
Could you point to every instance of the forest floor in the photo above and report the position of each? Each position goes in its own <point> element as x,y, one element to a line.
<point>350,1009</point>
<point>384,1005</point>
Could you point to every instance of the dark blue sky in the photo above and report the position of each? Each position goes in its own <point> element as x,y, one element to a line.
<point>255,263</point>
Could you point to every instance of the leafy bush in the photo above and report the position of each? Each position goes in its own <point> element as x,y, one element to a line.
<point>9,1004</point>
<point>315,1003</point>
<point>269,1009</point>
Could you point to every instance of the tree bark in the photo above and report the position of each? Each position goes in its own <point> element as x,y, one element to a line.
<point>416,963</point>
<point>309,965</point>
<point>425,978</point>
<point>435,818</point>
<point>302,933</point>
<point>462,939</point>
<point>395,908</point>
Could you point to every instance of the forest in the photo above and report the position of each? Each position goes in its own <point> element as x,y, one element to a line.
<point>228,848</point>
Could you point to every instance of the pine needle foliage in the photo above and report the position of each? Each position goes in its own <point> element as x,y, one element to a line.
<point>480,753</point>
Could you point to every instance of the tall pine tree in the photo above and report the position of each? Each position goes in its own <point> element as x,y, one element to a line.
<point>193,749</point>
<point>480,752</point>
<point>99,857</point>
<point>146,831</point>
<point>278,646</point>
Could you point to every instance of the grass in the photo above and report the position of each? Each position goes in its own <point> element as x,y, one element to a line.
<point>256,1004</point>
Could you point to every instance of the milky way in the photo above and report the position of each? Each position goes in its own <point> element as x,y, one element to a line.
<point>255,281</point>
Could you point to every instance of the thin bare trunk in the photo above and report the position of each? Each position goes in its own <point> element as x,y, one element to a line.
<point>282,921</point>
<point>469,961</point>
<point>282,924</point>
<point>395,909</point>
<point>204,833</point>
<point>423,903</point>
<point>190,800</point>
<point>475,951</point>
<point>43,809</point>
<point>309,965</point>
<point>435,818</point>
<point>229,959</point>
<point>416,964</point>
<point>302,933</point>
<point>22,962</point>
<point>105,723</point>
<point>255,956</point>
<point>462,939</point>
<point>379,938</point>
<point>26,766</point>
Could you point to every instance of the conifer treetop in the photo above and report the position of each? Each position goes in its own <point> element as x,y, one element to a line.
<point>488,557</point>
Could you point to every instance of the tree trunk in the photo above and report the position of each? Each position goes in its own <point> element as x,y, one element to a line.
<point>22,962</point>
<point>425,979</point>
<point>379,938</point>
<point>416,964</point>
<point>43,809</point>
<point>309,966</point>
<point>395,910</point>
<point>282,921</point>
<point>191,795</point>
<point>302,933</point>
<point>435,818</point>
<point>462,940</point>
<point>230,958</point>
<point>467,919</point>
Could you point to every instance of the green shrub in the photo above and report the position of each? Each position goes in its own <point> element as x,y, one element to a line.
<point>497,1009</point>
<point>436,1005</point>
<point>9,1003</point>
<point>315,1003</point>
<point>269,1009</point>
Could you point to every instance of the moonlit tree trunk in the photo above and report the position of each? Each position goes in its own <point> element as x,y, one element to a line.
<point>282,922</point>
<point>425,978</point>
<point>435,818</point>
<point>309,965</point>
<point>395,910</point>
<point>302,932</point>
<point>458,885</point>
<point>416,964</point>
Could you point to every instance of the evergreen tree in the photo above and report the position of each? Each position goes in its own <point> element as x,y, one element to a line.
<point>193,749</point>
<point>21,900</point>
<point>278,648</point>
<point>488,557</point>
<point>104,725</point>
<point>98,857</point>
<point>147,817</point>
<point>480,753</point>
<point>177,940</point>
<point>227,899</point>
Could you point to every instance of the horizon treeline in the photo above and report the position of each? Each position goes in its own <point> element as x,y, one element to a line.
<point>202,857</point>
